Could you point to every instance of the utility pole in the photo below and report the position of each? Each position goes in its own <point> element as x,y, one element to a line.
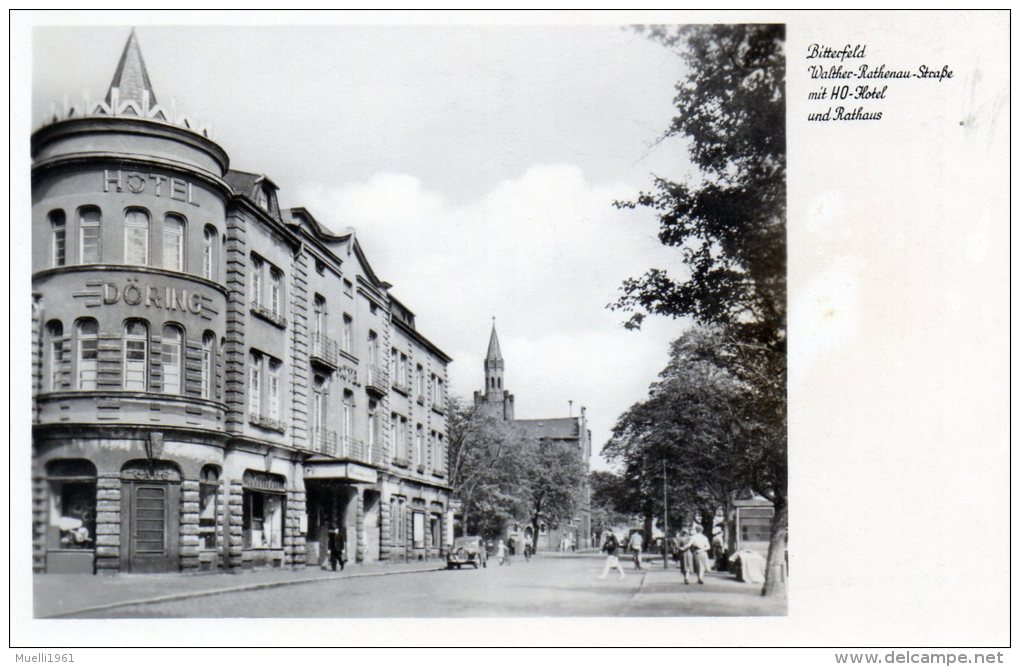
<point>665,520</point>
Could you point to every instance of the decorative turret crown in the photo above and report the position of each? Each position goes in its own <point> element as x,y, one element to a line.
<point>130,95</point>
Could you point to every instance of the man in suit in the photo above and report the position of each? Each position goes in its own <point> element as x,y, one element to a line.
<point>337,542</point>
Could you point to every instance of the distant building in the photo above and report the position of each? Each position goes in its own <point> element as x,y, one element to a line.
<point>217,380</point>
<point>571,432</point>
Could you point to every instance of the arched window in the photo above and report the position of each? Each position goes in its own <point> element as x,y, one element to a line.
<point>136,237</point>
<point>208,257</point>
<point>136,355</point>
<point>55,340</point>
<point>90,230</point>
<point>58,225</point>
<point>255,384</point>
<point>87,331</point>
<point>208,355</point>
<point>172,359</point>
<point>319,319</point>
<point>173,242</point>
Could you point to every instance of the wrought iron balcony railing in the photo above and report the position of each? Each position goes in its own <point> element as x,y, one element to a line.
<point>325,350</point>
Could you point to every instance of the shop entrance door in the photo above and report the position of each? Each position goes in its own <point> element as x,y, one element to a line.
<point>149,527</point>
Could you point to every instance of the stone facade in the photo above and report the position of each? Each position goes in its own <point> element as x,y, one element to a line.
<point>211,379</point>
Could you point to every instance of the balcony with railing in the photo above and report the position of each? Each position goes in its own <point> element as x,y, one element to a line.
<point>262,421</point>
<point>268,315</point>
<point>325,351</point>
<point>377,381</point>
<point>352,449</point>
<point>323,441</point>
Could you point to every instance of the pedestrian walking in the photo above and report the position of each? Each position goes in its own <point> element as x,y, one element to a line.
<point>700,548</point>
<point>718,549</point>
<point>611,547</point>
<point>635,546</point>
<point>686,558</point>
<point>528,547</point>
<point>501,552</point>
<point>337,543</point>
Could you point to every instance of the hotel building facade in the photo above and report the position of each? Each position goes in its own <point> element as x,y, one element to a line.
<point>218,381</point>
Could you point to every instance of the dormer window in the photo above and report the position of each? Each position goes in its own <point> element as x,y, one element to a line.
<point>262,197</point>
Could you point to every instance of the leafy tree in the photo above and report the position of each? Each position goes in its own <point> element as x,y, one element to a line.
<point>554,478</point>
<point>611,500</point>
<point>487,467</point>
<point>729,224</point>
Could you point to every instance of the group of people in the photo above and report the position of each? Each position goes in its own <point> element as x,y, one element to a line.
<point>690,550</point>
<point>506,551</point>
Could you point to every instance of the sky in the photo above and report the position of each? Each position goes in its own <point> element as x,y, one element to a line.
<point>478,164</point>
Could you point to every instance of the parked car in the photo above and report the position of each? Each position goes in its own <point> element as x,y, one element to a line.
<point>466,551</point>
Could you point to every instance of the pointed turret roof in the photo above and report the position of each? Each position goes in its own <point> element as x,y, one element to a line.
<point>131,77</point>
<point>493,354</point>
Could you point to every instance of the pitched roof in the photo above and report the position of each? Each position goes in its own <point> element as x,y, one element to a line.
<point>560,428</point>
<point>493,353</point>
<point>131,77</point>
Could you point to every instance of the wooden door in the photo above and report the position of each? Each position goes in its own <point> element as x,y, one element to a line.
<point>149,527</point>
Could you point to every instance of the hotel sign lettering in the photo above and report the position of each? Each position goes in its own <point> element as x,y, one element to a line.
<point>178,189</point>
<point>163,298</point>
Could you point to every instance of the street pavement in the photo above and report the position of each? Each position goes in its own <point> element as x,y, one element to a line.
<point>550,584</point>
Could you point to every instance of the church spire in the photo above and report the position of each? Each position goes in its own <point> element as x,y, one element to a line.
<point>131,78</point>
<point>493,353</point>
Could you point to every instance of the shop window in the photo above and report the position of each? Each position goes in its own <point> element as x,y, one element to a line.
<point>262,522</point>
<point>89,235</point>
<point>172,359</point>
<point>208,498</point>
<point>208,363</point>
<point>418,529</point>
<point>58,225</point>
<point>55,340</point>
<point>173,242</point>
<point>136,237</point>
<point>72,505</point>
<point>88,353</point>
<point>136,355</point>
<point>208,253</point>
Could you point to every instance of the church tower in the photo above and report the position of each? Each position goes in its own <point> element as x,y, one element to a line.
<point>495,400</point>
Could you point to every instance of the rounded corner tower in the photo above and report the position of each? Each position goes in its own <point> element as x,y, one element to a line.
<point>129,305</point>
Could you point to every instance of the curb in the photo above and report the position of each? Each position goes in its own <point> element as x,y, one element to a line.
<point>234,589</point>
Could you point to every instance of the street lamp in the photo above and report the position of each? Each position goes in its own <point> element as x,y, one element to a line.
<point>665,519</point>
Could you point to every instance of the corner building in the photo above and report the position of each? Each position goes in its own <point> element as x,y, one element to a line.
<point>217,381</point>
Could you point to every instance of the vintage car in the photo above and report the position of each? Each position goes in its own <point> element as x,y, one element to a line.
<point>466,551</point>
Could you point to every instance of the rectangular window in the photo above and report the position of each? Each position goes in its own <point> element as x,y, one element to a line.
<point>419,438</point>
<point>207,494</point>
<point>348,288</point>
<point>421,382</point>
<point>402,371</point>
<point>56,363</point>
<point>59,227</point>
<point>136,237</point>
<point>256,281</point>
<point>207,365</point>
<point>171,359</point>
<point>373,429</point>
<point>275,292</point>
<point>348,333</point>
<point>393,366</point>
<point>418,528</point>
<point>274,389</point>
<point>348,417</point>
<point>136,352</point>
<point>90,232</point>
<point>373,349</point>
<point>173,243</point>
<point>88,354</point>
<point>255,385</point>
<point>208,246</point>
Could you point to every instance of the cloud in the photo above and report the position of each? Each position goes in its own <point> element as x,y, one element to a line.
<point>543,252</point>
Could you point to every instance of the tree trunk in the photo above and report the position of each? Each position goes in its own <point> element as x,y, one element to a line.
<point>706,519</point>
<point>775,567</point>
<point>647,531</point>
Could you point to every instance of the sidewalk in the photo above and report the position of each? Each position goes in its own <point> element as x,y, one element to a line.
<point>59,595</point>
